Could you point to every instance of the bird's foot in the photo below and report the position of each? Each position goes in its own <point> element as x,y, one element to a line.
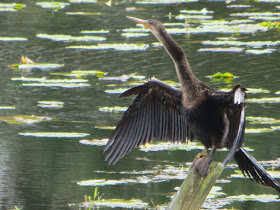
<point>202,163</point>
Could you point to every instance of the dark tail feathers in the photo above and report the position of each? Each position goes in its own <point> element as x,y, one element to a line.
<point>251,168</point>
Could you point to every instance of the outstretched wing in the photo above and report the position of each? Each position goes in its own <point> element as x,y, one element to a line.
<point>156,113</point>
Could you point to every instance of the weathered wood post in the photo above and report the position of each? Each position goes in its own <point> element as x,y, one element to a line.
<point>195,189</point>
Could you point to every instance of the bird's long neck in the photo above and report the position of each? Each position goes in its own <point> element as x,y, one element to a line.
<point>190,85</point>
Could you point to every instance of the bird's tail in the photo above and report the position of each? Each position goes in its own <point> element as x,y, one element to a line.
<point>251,168</point>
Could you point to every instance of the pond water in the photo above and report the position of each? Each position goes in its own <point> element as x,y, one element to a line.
<point>51,113</point>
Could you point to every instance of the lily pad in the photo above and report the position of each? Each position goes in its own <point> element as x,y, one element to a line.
<point>7,10</point>
<point>106,127</point>
<point>198,17</point>
<point>26,79</point>
<point>118,47</point>
<point>258,130</point>
<point>11,7</point>
<point>50,104</point>
<point>37,66</point>
<point>116,91</point>
<point>124,77</point>
<point>255,44</point>
<point>24,119</point>
<point>80,73</point>
<point>117,203</point>
<point>163,1</point>
<point>136,30</point>
<point>133,35</point>
<point>229,49</point>
<point>68,38</point>
<point>62,85</point>
<point>240,6</point>
<point>12,39</point>
<point>264,198</point>
<point>7,107</point>
<point>204,11</point>
<point>222,75</point>
<point>83,1</point>
<point>95,32</point>
<point>259,52</point>
<point>264,100</point>
<point>226,27</point>
<point>103,182</point>
<point>94,142</point>
<point>83,13</point>
<point>115,109</point>
<point>262,120</point>
<point>52,5</point>
<point>55,134</point>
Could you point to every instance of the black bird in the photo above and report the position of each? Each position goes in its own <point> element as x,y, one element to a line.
<point>160,112</point>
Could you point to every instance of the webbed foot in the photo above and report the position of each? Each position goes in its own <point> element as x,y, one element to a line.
<point>202,163</point>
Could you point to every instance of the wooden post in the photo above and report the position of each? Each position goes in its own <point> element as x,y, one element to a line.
<point>195,189</point>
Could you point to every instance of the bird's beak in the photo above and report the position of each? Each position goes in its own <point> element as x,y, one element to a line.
<point>144,22</point>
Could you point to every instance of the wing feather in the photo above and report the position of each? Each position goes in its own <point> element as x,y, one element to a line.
<point>155,114</point>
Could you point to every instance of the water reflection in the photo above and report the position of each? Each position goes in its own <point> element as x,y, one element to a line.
<point>40,172</point>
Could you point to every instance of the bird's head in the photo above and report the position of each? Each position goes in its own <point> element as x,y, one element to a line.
<point>154,25</point>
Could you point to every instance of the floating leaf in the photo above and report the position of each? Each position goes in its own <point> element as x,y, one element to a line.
<point>26,79</point>
<point>10,7</point>
<point>264,198</point>
<point>215,192</point>
<point>219,49</point>
<point>262,120</point>
<point>159,146</point>
<point>52,5</point>
<point>259,52</point>
<point>61,37</point>
<point>12,39</point>
<point>258,130</point>
<point>188,16</point>
<point>136,30</point>
<point>115,109</point>
<point>95,32</point>
<point>55,134</point>
<point>103,182</point>
<point>133,35</point>
<point>228,27</point>
<point>222,75</point>
<point>239,6</point>
<point>83,13</point>
<point>7,10</point>
<point>7,107</point>
<point>37,66</point>
<point>118,47</point>
<point>124,77</point>
<point>116,91</point>
<point>264,100</point>
<point>62,85</point>
<point>24,119</point>
<point>83,1</point>
<point>106,127</point>
<point>163,1</point>
<point>255,44</point>
<point>94,142</point>
<point>117,203</point>
<point>204,11</point>
<point>50,104</point>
